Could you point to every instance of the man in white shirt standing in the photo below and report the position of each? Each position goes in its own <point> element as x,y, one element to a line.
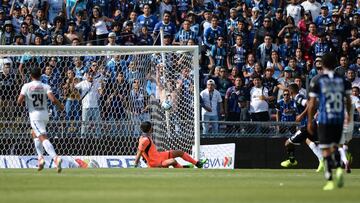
<point>313,6</point>
<point>259,107</point>
<point>36,95</point>
<point>90,94</point>
<point>212,101</point>
<point>294,10</point>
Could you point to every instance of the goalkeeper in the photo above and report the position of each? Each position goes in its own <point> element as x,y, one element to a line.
<point>156,159</point>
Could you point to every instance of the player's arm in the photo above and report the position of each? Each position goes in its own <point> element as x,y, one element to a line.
<point>55,101</point>
<point>311,112</point>
<point>302,114</point>
<point>21,99</point>
<point>137,158</point>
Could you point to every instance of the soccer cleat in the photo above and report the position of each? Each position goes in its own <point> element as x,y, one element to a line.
<point>329,185</point>
<point>339,177</point>
<point>58,162</point>
<point>321,166</point>
<point>288,163</point>
<point>201,163</point>
<point>188,166</point>
<point>41,163</point>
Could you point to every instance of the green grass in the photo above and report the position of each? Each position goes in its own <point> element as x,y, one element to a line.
<point>172,185</point>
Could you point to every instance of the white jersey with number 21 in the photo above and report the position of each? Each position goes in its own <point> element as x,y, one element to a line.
<point>36,98</point>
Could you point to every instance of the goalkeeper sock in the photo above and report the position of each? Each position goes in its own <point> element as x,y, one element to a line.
<point>38,147</point>
<point>316,150</point>
<point>49,148</point>
<point>188,158</point>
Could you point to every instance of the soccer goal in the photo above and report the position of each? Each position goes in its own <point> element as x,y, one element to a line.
<point>133,84</point>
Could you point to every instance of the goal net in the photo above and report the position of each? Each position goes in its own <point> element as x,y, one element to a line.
<point>129,85</point>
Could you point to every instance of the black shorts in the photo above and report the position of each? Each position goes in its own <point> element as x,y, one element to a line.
<point>329,135</point>
<point>301,135</point>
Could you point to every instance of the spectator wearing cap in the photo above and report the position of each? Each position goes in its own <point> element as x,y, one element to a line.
<point>147,19</point>
<point>218,54</point>
<point>237,57</point>
<point>212,33</point>
<point>98,21</point>
<point>263,51</point>
<point>111,39</point>
<point>73,7</point>
<point>212,102</point>
<point>128,38</point>
<point>71,34</point>
<point>294,10</point>
<point>265,29</point>
<point>313,6</point>
<point>286,49</point>
<point>316,69</point>
<point>168,27</point>
<point>7,35</point>
<point>184,34</point>
<point>44,32</point>
<point>255,22</point>
<point>323,19</point>
<point>285,81</point>
<point>321,46</point>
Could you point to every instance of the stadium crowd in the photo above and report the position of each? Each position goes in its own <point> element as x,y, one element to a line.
<point>251,50</point>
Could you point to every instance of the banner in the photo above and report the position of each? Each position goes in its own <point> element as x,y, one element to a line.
<point>220,156</point>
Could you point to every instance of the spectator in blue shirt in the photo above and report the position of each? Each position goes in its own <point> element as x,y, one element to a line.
<point>168,27</point>
<point>184,34</point>
<point>218,54</point>
<point>286,111</point>
<point>323,19</point>
<point>212,33</point>
<point>147,19</point>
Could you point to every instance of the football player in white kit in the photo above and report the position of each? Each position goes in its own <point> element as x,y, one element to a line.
<point>348,131</point>
<point>36,95</point>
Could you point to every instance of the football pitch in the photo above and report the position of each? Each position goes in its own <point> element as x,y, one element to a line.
<point>172,185</point>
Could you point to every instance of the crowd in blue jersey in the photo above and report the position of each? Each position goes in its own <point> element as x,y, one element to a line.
<point>279,42</point>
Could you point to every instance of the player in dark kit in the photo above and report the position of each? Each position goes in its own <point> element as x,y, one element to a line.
<point>302,134</point>
<point>332,92</point>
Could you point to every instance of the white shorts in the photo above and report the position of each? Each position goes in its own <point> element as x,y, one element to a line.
<point>39,127</point>
<point>347,133</point>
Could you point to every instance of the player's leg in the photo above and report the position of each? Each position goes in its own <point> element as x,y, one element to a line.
<point>346,137</point>
<point>40,131</point>
<point>39,151</point>
<point>296,139</point>
<point>328,135</point>
<point>187,157</point>
<point>317,151</point>
<point>170,162</point>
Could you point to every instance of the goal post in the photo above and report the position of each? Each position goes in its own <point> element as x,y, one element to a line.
<point>161,71</point>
